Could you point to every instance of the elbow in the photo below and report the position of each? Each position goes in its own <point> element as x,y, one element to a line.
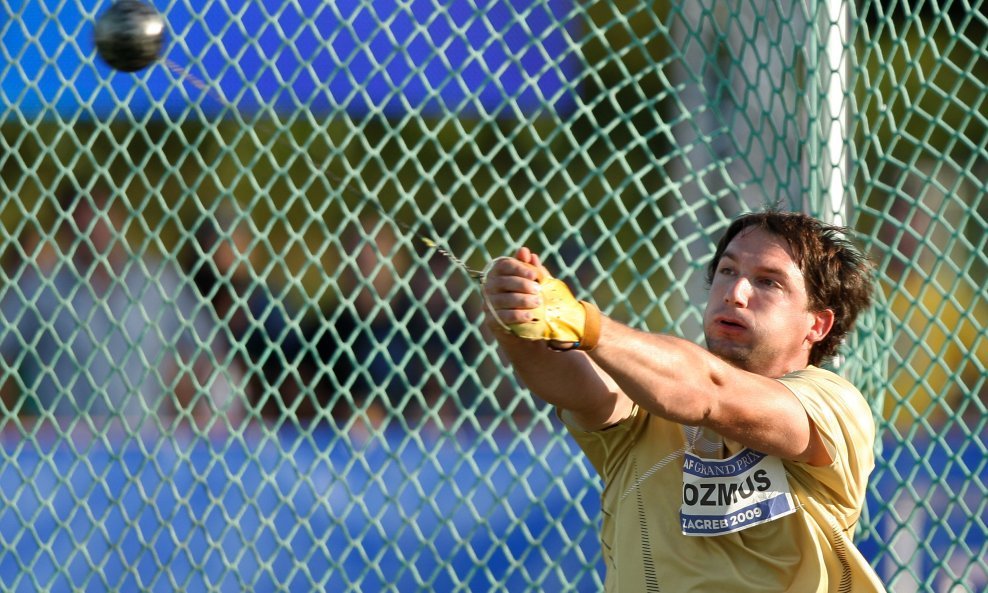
<point>704,414</point>
<point>701,413</point>
<point>691,397</point>
<point>705,399</point>
<point>690,407</point>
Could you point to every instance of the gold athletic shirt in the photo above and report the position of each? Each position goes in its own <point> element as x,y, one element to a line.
<point>640,461</point>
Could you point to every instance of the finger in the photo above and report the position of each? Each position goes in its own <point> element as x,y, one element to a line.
<point>541,271</point>
<point>507,266</point>
<point>502,283</point>
<point>514,301</point>
<point>514,316</point>
<point>527,256</point>
<point>509,295</point>
<point>531,258</point>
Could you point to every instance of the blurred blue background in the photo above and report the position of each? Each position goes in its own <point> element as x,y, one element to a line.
<point>387,57</point>
<point>312,510</point>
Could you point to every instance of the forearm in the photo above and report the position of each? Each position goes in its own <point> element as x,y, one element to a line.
<point>665,375</point>
<point>567,380</point>
<point>675,379</point>
<point>571,381</point>
<point>552,376</point>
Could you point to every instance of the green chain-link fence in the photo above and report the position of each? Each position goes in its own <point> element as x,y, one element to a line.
<point>232,364</point>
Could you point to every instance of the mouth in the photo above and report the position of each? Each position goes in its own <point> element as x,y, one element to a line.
<point>731,323</point>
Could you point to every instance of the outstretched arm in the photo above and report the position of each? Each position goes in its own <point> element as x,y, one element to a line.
<point>667,376</point>
<point>682,382</point>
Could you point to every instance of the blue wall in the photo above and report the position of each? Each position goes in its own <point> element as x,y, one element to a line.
<point>286,508</point>
<point>514,57</point>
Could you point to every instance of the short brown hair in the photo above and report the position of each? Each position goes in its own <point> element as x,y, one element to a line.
<point>838,276</point>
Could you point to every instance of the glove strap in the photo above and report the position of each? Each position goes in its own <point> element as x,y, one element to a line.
<point>591,327</point>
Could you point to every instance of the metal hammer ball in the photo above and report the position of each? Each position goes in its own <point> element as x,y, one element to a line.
<point>129,35</point>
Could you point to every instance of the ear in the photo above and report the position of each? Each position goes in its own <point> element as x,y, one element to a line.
<point>822,322</point>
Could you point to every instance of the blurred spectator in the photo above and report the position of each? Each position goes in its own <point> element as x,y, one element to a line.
<point>381,349</point>
<point>101,332</point>
<point>259,333</point>
<point>457,379</point>
<point>25,246</point>
<point>403,340</point>
<point>367,342</point>
<point>938,304</point>
<point>736,116</point>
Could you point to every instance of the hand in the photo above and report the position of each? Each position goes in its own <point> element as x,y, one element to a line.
<point>511,288</point>
<point>525,300</point>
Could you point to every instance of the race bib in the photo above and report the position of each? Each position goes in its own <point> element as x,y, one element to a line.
<point>727,495</point>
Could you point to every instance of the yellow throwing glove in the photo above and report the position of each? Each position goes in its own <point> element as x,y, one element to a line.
<point>560,319</point>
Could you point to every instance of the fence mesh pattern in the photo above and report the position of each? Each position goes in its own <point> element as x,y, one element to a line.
<point>233,357</point>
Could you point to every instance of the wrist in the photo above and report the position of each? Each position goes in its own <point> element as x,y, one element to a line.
<point>591,327</point>
<point>590,335</point>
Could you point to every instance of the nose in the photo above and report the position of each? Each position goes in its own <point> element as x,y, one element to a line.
<point>737,292</point>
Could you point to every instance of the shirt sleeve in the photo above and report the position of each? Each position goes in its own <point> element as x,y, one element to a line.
<point>603,447</point>
<point>845,422</point>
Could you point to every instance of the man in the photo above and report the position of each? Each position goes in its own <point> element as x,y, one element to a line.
<point>740,467</point>
<point>95,330</point>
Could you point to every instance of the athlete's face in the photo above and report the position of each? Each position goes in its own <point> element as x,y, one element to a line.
<point>757,315</point>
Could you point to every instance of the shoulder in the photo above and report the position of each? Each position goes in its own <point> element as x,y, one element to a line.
<point>817,375</point>
<point>837,408</point>
<point>826,386</point>
<point>846,423</point>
